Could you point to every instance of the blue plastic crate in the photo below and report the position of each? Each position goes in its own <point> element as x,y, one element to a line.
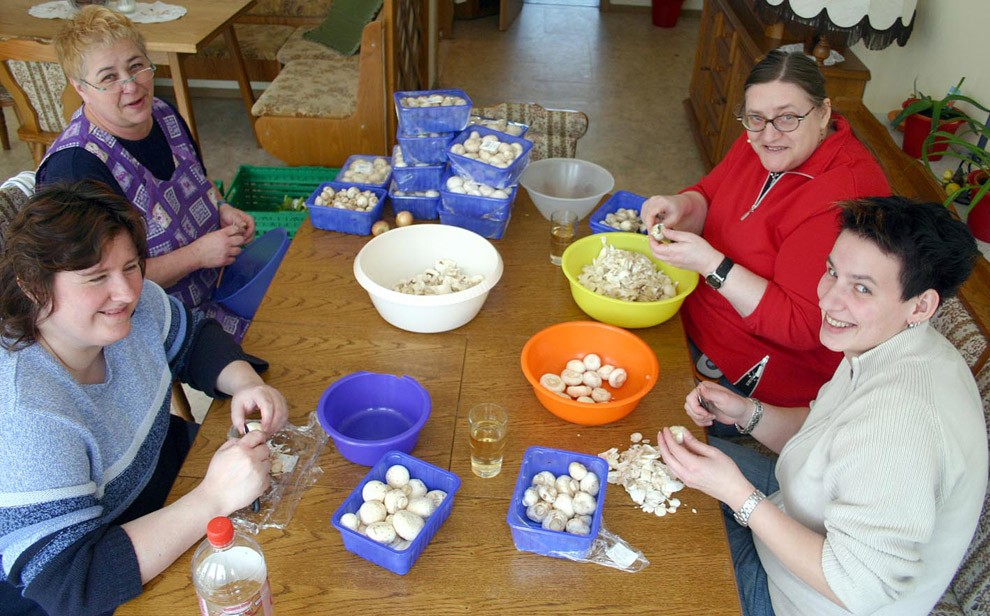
<point>483,172</point>
<point>489,228</point>
<point>345,221</point>
<point>420,206</point>
<point>419,177</point>
<point>362,161</point>
<point>529,536</point>
<point>429,148</point>
<point>398,561</point>
<point>477,206</point>
<point>621,199</point>
<point>452,118</point>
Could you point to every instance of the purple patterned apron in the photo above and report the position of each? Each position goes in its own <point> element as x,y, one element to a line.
<point>177,211</point>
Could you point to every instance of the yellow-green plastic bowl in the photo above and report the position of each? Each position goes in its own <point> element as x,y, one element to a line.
<point>615,311</point>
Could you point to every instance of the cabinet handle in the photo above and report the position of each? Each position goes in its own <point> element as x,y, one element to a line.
<point>706,68</point>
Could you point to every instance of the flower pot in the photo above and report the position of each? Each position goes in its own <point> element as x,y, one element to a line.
<point>978,220</point>
<point>917,128</point>
<point>666,12</point>
<point>976,178</point>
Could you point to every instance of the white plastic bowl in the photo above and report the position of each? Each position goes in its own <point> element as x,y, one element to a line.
<point>407,251</point>
<point>566,184</point>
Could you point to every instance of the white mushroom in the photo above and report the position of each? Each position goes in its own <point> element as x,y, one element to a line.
<point>552,382</point>
<point>577,526</point>
<point>374,490</point>
<point>591,379</point>
<point>547,493</point>
<point>592,361</point>
<point>381,532</point>
<point>350,520</point>
<point>585,399</point>
<point>577,470</point>
<point>421,506</point>
<point>564,504</point>
<point>407,524</point>
<point>571,377</point>
<point>577,391</point>
<point>416,488</point>
<point>600,394</point>
<point>397,476</point>
<point>617,378</point>
<point>566,484</point>
<point>530,497</point>
<point>590,484</point>
<point>605,370</point>
<point>538,511</point>
<point>395,500</point>
<point>371,512</point>
<point>555,520</point>
<point>543,478</point>
<point>584,503</point>
<point>436,497</point>
<point>576,365</point>
<point>678,432</point>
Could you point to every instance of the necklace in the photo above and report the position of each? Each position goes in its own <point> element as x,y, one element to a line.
<point>85,375</point>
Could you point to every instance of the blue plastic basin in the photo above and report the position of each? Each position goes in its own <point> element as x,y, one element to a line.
<point>246,280</point>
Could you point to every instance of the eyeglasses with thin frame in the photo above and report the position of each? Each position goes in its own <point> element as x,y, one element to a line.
<point>142,76</point>
<point>785,122</point>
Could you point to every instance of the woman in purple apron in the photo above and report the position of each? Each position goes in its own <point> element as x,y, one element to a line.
<point>140,147</point>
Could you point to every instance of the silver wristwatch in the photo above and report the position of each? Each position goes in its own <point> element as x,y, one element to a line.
<point>717,278</point>
<point>742,516</point>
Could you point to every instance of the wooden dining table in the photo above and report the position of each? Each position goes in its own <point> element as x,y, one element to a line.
<point>316,324</point>
<point>168,42</point>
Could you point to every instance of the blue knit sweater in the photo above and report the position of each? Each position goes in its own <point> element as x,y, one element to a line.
<point>79,460</point>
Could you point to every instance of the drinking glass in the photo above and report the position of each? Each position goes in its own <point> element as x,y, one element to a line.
<point>488,423</point>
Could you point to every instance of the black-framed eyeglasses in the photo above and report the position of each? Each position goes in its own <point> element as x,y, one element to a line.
<point>142,76</point>
<point>785,122</point>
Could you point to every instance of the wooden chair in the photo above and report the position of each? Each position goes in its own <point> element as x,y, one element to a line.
<point>43,98</point>
<point>5,101</point>
<point>12,199</point>
<point>554,132</point>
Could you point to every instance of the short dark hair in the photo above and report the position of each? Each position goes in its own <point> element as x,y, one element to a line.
<point>62,228</point>
<point>795,68</point>
<point>935,250</point>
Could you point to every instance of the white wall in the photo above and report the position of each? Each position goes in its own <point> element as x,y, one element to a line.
<point>947,44</point>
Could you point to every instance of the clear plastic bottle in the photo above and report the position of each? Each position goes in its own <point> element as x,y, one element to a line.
<point>229,573</point>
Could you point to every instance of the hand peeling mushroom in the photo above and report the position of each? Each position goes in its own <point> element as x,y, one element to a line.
<point>678,433</point>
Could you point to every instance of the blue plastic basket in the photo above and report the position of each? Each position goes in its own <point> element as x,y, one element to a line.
<point>366,158</point>
<point>419,177</point>
<point>414,120</point>
<point>621,199</point>
<point>483,172</point>
<point>398,561</point>
<point>489,228</point>
<point>529,536</point>
<point>421,207</point>
<point>477,206</point>
<point>429,148</point>
<point>345,221</point>
<point>245,280</point>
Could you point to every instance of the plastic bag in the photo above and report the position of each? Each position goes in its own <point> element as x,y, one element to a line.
<point>279,503</point>
<point>609,550</point>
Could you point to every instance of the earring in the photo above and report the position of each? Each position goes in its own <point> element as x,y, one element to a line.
<point>748,141</point>
<point>913,325</point>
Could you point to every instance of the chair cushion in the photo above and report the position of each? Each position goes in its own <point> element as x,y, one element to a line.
<point>344,24</point>
<point>257,42</point>
<point>955,323</point>
<point>317,89</point>
<point>43,83</point>
<point>291,8</point>
<point>12,199</point>
<point>298,48</point>
<point>554,132</point>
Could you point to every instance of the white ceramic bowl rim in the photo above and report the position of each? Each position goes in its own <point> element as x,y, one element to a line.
<point>408,299</point>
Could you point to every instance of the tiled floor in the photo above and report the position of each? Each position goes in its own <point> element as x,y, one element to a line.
<point>630,77</point>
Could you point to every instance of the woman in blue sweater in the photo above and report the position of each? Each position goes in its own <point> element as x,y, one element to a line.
<point>89,447</point>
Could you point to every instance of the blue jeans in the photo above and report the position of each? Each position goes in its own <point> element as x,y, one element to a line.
<point>751,579</point>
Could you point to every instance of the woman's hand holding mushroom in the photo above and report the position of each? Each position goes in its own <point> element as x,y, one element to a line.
<point>237,474</point>
<point>230,216</point>
<point>686,250</point>
<point>710,402</point>
<point>260,398</point>
<point>704,468</point>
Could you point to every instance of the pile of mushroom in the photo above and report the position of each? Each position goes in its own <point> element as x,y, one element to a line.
<point>432,100</point>
<point>643,474</point>
<point>444,277</point>
<point>465,186</point>
<point>626,275</point>
<point>488,149</point>
<point>584,379</point>
<point>366,171</point>
<point>625,219</point>
<point>351,198</point>
<point>566,503</point>
<point>395,511</point>
<point>504,126</point>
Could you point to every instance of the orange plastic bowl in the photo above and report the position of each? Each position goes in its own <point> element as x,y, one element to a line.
<point>549,350</point>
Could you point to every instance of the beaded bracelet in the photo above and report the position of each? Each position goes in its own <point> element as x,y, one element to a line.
<point>753,419</point>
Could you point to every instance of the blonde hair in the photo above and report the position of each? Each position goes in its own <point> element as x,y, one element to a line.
<point>93,26</point>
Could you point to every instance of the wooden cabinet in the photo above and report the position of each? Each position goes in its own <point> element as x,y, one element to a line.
<point>730,42</point>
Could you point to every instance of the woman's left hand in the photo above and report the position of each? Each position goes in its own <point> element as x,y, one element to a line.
<point>688,251</point>
<point>704,468</point>
<point>230,215</point>
<point>260,398</point>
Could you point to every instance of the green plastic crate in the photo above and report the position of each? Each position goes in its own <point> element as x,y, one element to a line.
<point>259,191</point>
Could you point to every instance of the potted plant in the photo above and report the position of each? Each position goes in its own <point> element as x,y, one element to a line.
<point>917,115</point>
<point>967,143</point>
